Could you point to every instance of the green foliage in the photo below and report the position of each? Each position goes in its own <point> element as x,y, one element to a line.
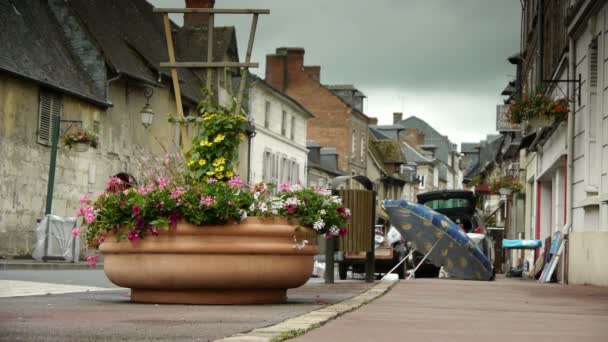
<point>537,105</point>
<point>81,136</point>
<point>507,182</point>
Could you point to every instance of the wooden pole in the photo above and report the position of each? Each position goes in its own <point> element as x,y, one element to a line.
<point>210,54</point>
<point>245,71</point>
<point>175,79</point>
<point>370,256</point>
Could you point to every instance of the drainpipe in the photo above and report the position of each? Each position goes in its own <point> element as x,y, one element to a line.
<point>541,41</point>
<point>119,75</point>
<point>570,151</point>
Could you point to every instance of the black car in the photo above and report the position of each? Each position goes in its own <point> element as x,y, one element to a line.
<point>459,206</point>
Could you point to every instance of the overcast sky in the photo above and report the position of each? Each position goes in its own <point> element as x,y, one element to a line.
<point>441,60</point>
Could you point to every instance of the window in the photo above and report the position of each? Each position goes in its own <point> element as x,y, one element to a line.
<point>593,147</point>
<point>422,183</point>
<point>295,172</point>
<point>362,151</point>
<point>284,123</point>
<point>51,106</point>
<point>270,167</point>
<point>292,128</point>
<point>285,172</point>
<point>353,143</point>
<point>267,115</point>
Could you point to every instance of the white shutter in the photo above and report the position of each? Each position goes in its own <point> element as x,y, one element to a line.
<point>593,64</point>
<point>50,106</point>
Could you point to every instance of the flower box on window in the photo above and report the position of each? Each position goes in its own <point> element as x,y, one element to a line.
<point>538,110</point>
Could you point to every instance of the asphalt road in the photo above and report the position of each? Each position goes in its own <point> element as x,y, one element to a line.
<point>110,316</point>
<point>80,277</point>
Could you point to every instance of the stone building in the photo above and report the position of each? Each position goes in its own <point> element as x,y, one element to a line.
<point>337,123</point>
<point>90,62</point>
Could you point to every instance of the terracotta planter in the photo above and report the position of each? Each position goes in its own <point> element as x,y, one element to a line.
<point>253,262</point>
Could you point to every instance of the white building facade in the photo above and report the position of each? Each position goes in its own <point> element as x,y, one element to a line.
<point>278,150</point>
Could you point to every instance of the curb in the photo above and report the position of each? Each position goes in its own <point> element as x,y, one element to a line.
<point>5,266</point>
<point>299,325</point>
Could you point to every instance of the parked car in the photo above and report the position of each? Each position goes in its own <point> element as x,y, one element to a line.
<point>459,206</point>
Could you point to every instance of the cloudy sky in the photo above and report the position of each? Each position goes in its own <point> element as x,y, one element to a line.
<point>441,60</point>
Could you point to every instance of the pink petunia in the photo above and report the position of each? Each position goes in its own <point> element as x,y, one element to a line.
<point>92,260</point>
<point>237,182</point>
<point>84,199</point>
<point>154,231</point>
<point>75,232</point>
<point>207,201</point>
<point>134,236</point>
<point>136,210</point>
<point>211,181</point>
<point>162,182</point>
<point>284,187</point>
<point>177,193</point>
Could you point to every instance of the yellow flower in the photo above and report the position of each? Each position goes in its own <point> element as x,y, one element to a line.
<point>206,143</point>
<point>202,162</point>
<point>219,138</point>
<point>219,175</point>
<point>229,174</point>
<point>219,168</point>
<point>210,173</point>
<point>219,161</point>
<point>190,162</point>
<point>209,116</point>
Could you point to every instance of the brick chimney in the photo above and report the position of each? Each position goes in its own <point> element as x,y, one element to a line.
<point>197,20</point>
<point>397,117</point>
<point>284,62</point>
<point>314,72</point>
<point>373,121</point>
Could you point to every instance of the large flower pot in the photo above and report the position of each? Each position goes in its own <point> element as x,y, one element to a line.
<point>253,262</point>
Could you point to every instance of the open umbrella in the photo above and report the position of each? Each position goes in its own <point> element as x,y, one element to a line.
<point>445,243</point>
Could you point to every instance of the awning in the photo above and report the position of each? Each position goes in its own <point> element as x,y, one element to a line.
<point>381,214</point>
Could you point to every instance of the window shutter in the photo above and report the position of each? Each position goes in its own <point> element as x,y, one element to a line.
<point>50,107</point>
<point>593,64</point>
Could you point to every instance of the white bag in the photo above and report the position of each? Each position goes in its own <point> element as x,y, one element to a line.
<point>393,236</point>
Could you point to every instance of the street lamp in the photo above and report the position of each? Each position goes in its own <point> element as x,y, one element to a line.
<point>147,114</point>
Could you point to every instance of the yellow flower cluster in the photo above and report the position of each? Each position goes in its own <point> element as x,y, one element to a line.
<point>219,138</point>
<point>206,143</point>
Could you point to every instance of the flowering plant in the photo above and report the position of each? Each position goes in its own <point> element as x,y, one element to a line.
<point>80,136</point>
<point>200,187</point>
<point>507,182</point>
<point>134,213</point>
<point>537,106</point>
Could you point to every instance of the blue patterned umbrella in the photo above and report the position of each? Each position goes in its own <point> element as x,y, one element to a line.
<point>446,243</point>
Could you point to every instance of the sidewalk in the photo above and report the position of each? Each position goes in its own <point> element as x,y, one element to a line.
<point>451,310</point>
<point>30,264</point>
<point>109,316</point>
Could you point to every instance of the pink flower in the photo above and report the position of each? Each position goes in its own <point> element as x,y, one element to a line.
<point>291,208</point>
<point>343,232</point>
<point>208,201</point>
<point>237,182</point>
<point>75,232</point>
<point>87,212</point>
<point>177,193</point>
<point>92,260</point>
<point>136,210</point>
<point>84,199</point>
<point>285,187</point>
<point>162,182</point>
<point>134,236</point>
<point>211,181</point>
<point>101,240</point>
<point>115,185</point>
<point>154,231</point>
